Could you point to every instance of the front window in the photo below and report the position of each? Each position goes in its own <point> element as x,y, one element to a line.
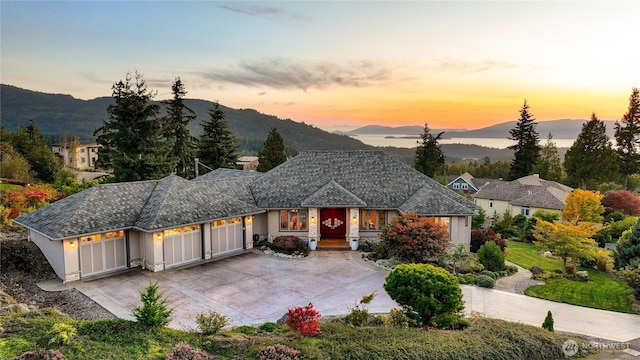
<point>372,219</point>
<point>525,211</point>
<point>446,221</point>
<point>293,219</point>
<point>114,234</point>
<point>85,239</point>
<point>465,186</point>
<point>490,203</point>
<point>456,186</point>
<point>172,232</point>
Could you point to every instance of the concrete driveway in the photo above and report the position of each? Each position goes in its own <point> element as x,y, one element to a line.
<point>254,288</point>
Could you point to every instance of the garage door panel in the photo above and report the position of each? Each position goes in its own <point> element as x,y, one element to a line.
<point>99,255</point>
<point>226,236</point>
<point>182,248</point>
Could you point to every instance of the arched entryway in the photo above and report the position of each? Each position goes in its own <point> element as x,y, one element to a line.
<point>333,223</point>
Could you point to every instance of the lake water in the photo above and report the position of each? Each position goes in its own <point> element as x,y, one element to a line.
<point>398,141</point>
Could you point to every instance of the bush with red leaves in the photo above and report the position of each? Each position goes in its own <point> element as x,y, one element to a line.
<point>621,200</point>
<point>304,320</point>
<point>481,236</point>
<point>288,243</point>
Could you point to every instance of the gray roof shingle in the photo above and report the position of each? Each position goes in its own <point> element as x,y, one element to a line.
<point>529,191</point>
<point>223,173</point>
<point>378,179</point>
<point>332,194</point>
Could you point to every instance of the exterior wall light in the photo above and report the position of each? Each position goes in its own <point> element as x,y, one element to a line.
<point>159,236</point>
<point>313,219</point>
<point>72,244</point>
<point>354,219</point>
<point>248,220</point>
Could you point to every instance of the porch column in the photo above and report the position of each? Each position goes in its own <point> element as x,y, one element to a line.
<point>354,224</point>
<point>313,224</point>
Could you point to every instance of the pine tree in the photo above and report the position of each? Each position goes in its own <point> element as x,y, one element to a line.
<point>628,138</point>
<point>176,132</point>
<point>217,145</point>
<point>548,322</point>
<point>526,150</point>
<point>591,159</point>
<point>132,136</point>
<point>549,166</point>
<point>429,158</point>
<point>272,153</point>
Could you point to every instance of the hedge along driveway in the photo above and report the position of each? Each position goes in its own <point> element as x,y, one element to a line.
<point>601,292</point>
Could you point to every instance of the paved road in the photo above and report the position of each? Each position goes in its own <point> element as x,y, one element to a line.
<point>254,288</point>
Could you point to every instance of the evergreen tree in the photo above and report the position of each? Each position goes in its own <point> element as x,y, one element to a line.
<point>526,150</point>
<point>549,166</point>
<point>591,159</point>
<point>272,153</point>
<point>132,136</point>
<point>429,158</point>
<point>217,145</point>
<point>628,138</point>
<point>176,132</point>
<point>31,144</point>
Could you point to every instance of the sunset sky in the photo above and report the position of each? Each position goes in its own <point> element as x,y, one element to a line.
<point>451,64</point>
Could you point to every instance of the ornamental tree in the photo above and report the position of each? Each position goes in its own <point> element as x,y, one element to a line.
<point>583,205</point>
<point>624,201</point>
<point>155,311</point>
<point>567,239</point>
<point>415,239</point>
<point>424,291</point>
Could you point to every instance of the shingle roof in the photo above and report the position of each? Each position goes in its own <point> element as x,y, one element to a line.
<point>176,201</point>
<point>527,191</point>
<point>332,194</point>
<point>223,173</point>
<point>433,201</point>
<point>98,209</point>
<point>146,205</point>
<point>378,179</point>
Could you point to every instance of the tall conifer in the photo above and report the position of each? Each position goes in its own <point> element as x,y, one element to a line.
<point>526,150</point>
<point>429,158</point>
<point>175,130</point>
<point>272,153</point>
<point>628,138</point>
<point>217,145</point>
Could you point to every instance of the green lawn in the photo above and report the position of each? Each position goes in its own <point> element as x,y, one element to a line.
<point>601,292</point>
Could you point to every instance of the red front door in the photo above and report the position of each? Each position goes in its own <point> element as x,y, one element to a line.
<point>333,223</point>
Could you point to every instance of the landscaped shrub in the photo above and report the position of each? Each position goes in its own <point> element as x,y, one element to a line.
<point>269,327</point>
<point>154,311</point>
<point>548,322</point>
<point>304,320</point>
<point>62,334</point>
<point>397,318</point>
<point>278,352</point>
<point>245,329</point>
<point>485,281</point>
<point>359,314</point>
<point>41,354</point>
<point>511,269</point>
<point>424,291</point>
<point>490,274</point>
<point>450,322</point>
<point>379,250</point>
<point>481,236</point>
<point>627,251</point>
<point>210,322</point>
<point>491,256</point>
<point>288,244</point>
<point>632,276</point>
<point>535,270</point>
<point>603,260</point>
<point>415,239</point>
<point>186,352</point>
<point>379,320</point>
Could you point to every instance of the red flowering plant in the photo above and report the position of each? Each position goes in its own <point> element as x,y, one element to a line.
<point>304,320</point>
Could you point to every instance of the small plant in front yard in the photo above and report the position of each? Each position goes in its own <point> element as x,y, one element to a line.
<point>359,313</point>
<point>304,320</point>
<point>210,322</point>
<point>491,256</point>
<point>548,322</point>
<point>278,352</point>
<point>62,334</point>
<point>154,311</point>
<point>186,352</point>
<point>485,281</point>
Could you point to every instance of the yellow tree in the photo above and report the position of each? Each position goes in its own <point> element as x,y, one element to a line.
<point>567,239</point>
<point>583,205</point>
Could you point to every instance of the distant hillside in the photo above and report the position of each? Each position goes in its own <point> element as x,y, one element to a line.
<point>57,113</point>
<point>560,129</point>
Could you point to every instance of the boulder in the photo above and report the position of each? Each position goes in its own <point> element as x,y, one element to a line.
<point>582,276</point>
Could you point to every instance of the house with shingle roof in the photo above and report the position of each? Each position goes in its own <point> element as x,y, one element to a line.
<point>523,196</point>
<point>160,224</point>
<point>466,183</point>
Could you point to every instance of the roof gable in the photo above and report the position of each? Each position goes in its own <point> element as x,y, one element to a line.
<point>333,194</point>
<point>530,191</point>
<point>429,200</point>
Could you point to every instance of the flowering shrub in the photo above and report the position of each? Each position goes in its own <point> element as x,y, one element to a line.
<point>41,354</point>
<point>210,322</point>
<point>278,352</point>
<point>186,352</point>
<point>20,200</point>
<point>304,320</point>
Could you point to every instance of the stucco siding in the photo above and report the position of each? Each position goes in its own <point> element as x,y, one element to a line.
<point>460,230</point>
<point>53,250</point>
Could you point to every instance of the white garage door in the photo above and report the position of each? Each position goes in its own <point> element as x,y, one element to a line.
<point>182,245</point>
<point>226,236</point>
<point>102,253</point>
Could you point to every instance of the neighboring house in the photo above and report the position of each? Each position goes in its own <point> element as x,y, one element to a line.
<point>247,162</point>
<point>466,183</point>
<point>85,157</point>
<point>523,196</point>
<point>171,222</point>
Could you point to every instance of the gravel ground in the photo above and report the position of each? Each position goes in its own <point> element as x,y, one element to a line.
<point>22,266</point>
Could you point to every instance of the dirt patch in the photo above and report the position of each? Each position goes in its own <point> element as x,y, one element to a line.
<point>23,266</point>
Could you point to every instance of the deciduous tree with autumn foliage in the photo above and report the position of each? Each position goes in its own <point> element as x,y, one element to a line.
<point>567,239</point>
<point>415,239</point>
<point>583,205</point>
<point>623,200</point>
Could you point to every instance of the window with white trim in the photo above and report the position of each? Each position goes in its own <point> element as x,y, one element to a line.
<point>525,211</point>
<point>456,186</point>
<point>465,186</point>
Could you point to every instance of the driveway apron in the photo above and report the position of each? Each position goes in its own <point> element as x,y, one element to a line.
<point>254,288</point>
